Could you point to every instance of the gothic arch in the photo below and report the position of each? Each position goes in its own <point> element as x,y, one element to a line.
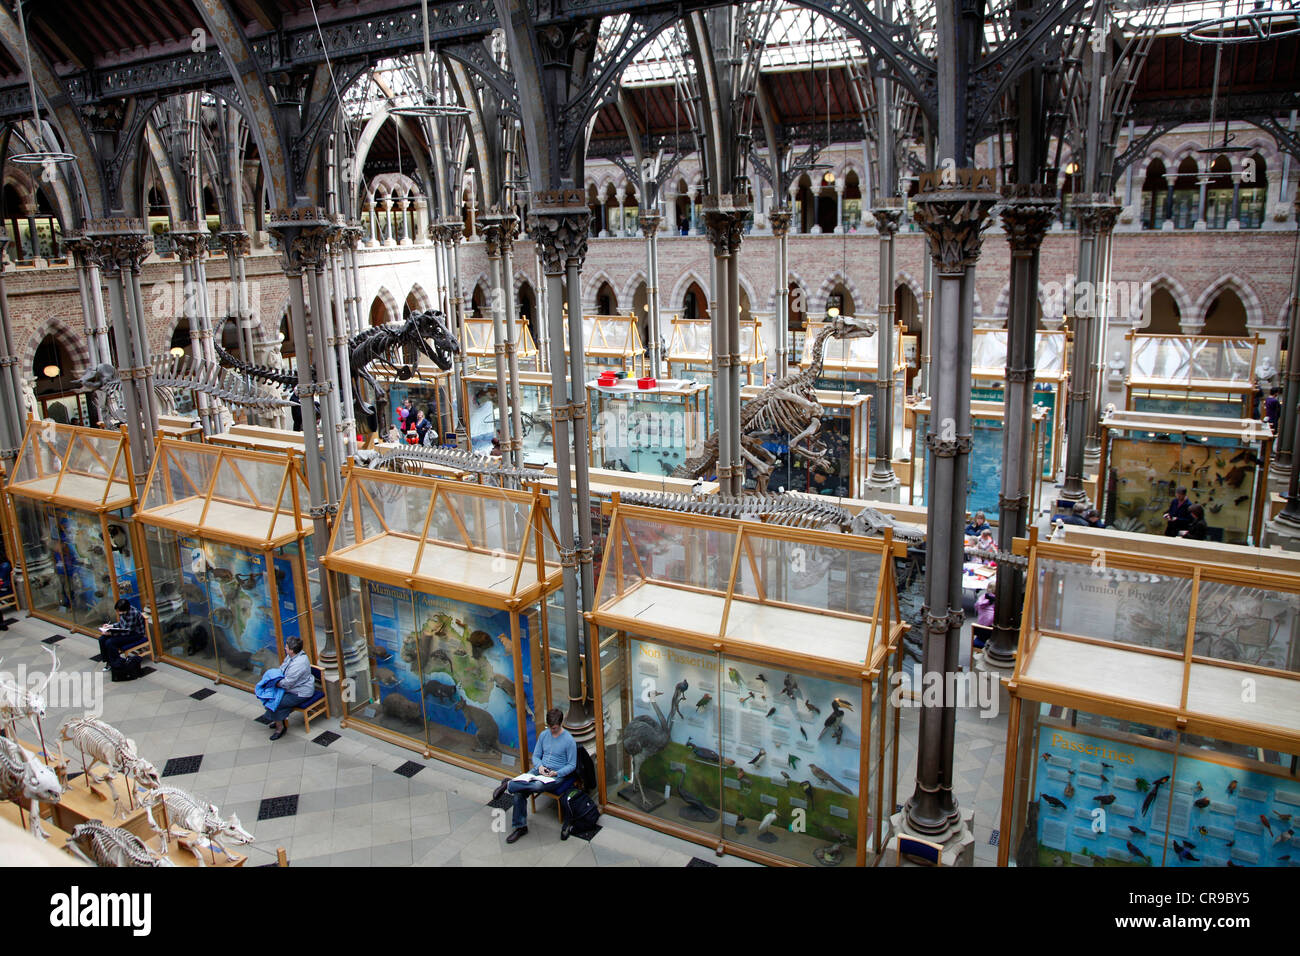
<point>74,344</point>
<point>1254,310</point>
<point>1154,153</point>
<point>792,278</point>
<point>590,286</point>
<point>674,302</point>
<point>384,297</point>
<point>629,288</point>
<point>817,304</point>
<point>1170,285</point>
<point>422,302</point>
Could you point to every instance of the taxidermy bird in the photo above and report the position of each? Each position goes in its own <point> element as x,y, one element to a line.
<point>678,693</point>
<point>791,687</point>
<point>834,724</point>
<point>703,702</point>
<point>645,736</point>
<point>771,712</point>
<point>762,680</point>
<point>758,757</point>
<point>734,676</point>
<point>793,762</point>
<point>812,708</point>
<point>803,733</point>
<point>690,799</point>
<point>747,697</point>
<point>768,820</point>
<point>807,791</point>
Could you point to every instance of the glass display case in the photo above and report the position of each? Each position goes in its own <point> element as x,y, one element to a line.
<point>479,346</point>
<point>747,705</point>
<point>442,589</point>
<point>1191,375</point>
<point>646,430</point>
<point>228,546</point>
<point>984,477</point>
<point>182,427</point>
<point>72,495</point>
<point>690,356</point>
<point>1155,712</point>
<point>1222,462</point>
<point>844,431</point>
<point>429,390</point>
<point>849,366</point>
<point>609,342</point>
<point>479,396</point>
<point>1051,363</point>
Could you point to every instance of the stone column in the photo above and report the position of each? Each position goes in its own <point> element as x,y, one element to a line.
<point>839,209</point>
<point>191,242</point>
<point>509,230</point>
<point>559,221</point>
<point>724,218</point>
<point>374,225</point>
<point>882,480</point>
<point>493,227</point>
<point>13,407</point>
<point>238,245</point>
<point>455,233</point>
<point>1081,305</point>
<point>780,219</point>
<point>1027,214</point>
<point>1282,452</point>
<point>1105,211</point>
<point>649,223</point>
<point>336,322</point>
<point>952,207</point>
<point>387,233</point>
<point>89,286</point>
<point>403,229</point>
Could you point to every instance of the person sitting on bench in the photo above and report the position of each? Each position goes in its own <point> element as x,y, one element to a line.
<point>555,756</point>
<point>298,684</point>
<point>129,631</point>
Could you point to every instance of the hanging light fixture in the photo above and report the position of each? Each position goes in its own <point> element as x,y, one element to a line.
<point>39,156</point>
<point>177,351</point>
<point>50,371</point>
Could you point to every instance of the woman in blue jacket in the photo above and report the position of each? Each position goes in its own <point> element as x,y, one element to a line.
<point>298,685</point>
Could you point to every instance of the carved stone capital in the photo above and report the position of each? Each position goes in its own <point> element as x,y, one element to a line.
<point>493,230</point>
<point>304,234</point>
<point>455,230</point>
<point>190,240</point>
<point>1027,213</point>
<point>1096,214</point>
<point>559,222</point>
<point>117,244</point>
<point>952,206</point>
<point>780,220</point>
<point>948,447</point>
<point>887,219</point>
<point>236,242</point>
<point>649,223</point>
<point>438,233</point>
<point>724,222</point>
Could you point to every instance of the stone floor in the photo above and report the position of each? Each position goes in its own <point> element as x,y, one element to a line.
<point>342,798</point>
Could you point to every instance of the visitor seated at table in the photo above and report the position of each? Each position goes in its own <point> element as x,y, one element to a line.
<point>986,542</point>
<point>129,630</point>
<point>1197,530</point>
<point>980,523</point>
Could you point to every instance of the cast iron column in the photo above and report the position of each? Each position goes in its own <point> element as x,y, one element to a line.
<point>724,218</point>
<point>238,245</point>
<point>952,207</point>
<point>780,220</point>
<point>1079,306</point>
<point>882,480</point>
<point>509,230</point>
<point>191,240</point>
<point>1104,212</point>
<point>455,233</point>
<point>493,227</point>
<point>649,223</point>
<point>13,415</point>
<point>1282,454</point>
<point>1026,217</point>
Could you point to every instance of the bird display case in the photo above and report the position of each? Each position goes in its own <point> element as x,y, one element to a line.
<point>849,366</point>
<point>745,699</point>
<point>650,431</point>
<point>984,474</point>
<point>1154,712</point>
<point>482,410</point>
<point>1222,462</point>
<point>1206,375</point>
<point>479,346</point>
<point>844,431</point>
<point>230,570</point>
<point>1051,364</point>
<point>429,389</point>
<point>690,356</point>
<point>609,343</point>
<point>442,588</point>
<point>71,495</point>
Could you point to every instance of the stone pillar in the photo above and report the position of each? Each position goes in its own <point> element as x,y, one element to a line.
<point>509,229</point>
<point>493,228</point>
<point>336,322</point>
<point>882,480</point>
<point>238,245</point>
<point>455,233</point>
<point>13,407</point>
<point>89,285</point>
<point>119,247</point>
<point>387,234</point>
<point>421,208</point>
<point>1027,214</point>
<point>952,207</point>
<point>559,222</point>
<point>1105,212</point>
<point>839,209</point>
<point>403,229</point>
<point>373,210</point>
<point>1082,307</point>
<point>649,223</point>
<point>780,219</point>
<point>724,218</point>
<point>1282,452</point>
<point>191,242</point>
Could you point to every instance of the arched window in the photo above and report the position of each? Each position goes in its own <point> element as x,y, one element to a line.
<point>1154,189</point>
<point>526,302</point>
<point>1165,316</point>
<point>852,202</point>
<point>695,304</point>
<point>1186,194</point>
<point>840,298</point>
<point>1226,315</point>
<point>181,337</point>
<point>606,300</point>
<point>597,210</point>
<point>1254,191</point>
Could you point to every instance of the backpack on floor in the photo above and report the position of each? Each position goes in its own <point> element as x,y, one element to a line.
<point>580,811</point>
<point>125,668</point>
<point>584,774</point>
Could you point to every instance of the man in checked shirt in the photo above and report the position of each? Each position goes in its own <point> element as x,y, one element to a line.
<point>129,631</point>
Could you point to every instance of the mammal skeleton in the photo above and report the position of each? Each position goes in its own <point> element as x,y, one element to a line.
<point>104,744</point>
<point>101,845</point>
<point>24,778</point>
<point>186,811</point>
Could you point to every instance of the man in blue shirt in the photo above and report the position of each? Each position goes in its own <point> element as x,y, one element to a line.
<point>554,757</point>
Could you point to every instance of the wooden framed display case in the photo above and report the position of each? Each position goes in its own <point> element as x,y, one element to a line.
<point>650,431</point>
<point>984,481</point>
<point>1222,462</point>
<point>479,346</point>
<point>1204,375</point>
<point>1162,692</point>
<point>849,366</point>
<point>845,429</point>
<point>609,342</point>
<point>429,389</point>
<point>71,497</point>
<point>479,397</point>
<point>182,427</point>
<point>745,674</point>
<point>690,356</point>
<point>1051,365</point>
<point>261,438</point>
<point>442,587</point>
<point>230,572</point>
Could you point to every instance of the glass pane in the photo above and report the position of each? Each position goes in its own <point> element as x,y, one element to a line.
<point>1250,625</point>
<point>394,692</point>
<point>242,624</point>
<point>38,532</point>
<point>1128,607</point>
<point>178,568</point>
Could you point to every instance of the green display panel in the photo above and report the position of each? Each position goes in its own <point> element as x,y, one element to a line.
<point>1043,398</point>
<point>1191,403</point>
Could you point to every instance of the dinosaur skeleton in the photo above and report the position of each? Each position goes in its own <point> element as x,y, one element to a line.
<point>100,743</point>
<point>101,845</point>
<point>788,405</point>
<point>781,509</point>
<point>24,778</point>
<point>411,459</point>
<point>381,344</point>
<point>188,812</point>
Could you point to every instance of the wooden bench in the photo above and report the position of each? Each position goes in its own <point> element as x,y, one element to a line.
<point>319,702</point>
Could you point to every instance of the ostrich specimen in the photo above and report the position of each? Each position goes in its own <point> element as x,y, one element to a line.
<point>645,736</point>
